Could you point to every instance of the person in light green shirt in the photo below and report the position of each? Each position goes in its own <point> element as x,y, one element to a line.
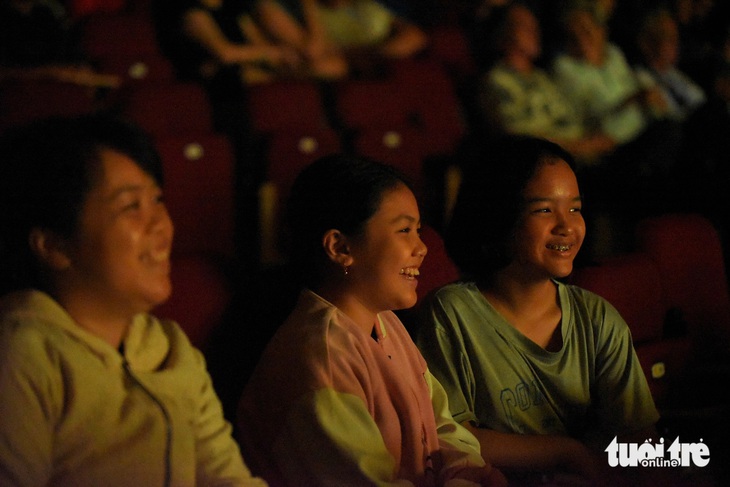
<point>544,374</point>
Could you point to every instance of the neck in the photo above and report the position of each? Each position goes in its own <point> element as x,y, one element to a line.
<point>659,66</point>
<point>520,63</point>
<point>110,325</point>
<point>532,308</point>
<point>596,57</point>
<point>520,295</point>
<point>348,302</point>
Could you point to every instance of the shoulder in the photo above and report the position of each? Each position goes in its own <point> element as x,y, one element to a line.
<point>563,62</point>
<point>590,308</point>
<point>29,317</point>
<point>32,340</point>
<point>615,58</point>
<point>456,293</point>
<point>584,298</point>
<point>315,334</point>
<point>500,75</point>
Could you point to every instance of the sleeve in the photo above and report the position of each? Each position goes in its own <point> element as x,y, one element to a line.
<point>31,395</point>
<point>578,91</point>
<point>443,348</point>
<point>625,402</point>
<point>218,457</point>
<point>330,439</point>
<point>460,451</point>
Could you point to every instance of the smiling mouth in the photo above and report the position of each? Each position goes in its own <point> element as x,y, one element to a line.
<point>158,256</point>
<point>410,272</point>
<point>560,248</point>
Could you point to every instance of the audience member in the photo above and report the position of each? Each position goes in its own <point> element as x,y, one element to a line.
<point>298,24</point>
<point>37,41</point>
<point>209,40</point>
<point>601,81</point>
<point>658,42</point>
<point>96,391</point>
<point>341,395</point>
<point>607,91</point>
<point>365,32</point>
<point>543,373</point>
<point>522,98</point>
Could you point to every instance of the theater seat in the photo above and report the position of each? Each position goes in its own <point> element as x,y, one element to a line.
<point>688,253</point>
<point>632,284</point>
<point>200,192</point>
<point>286,153</point>
<point>22,101</point>
<point>201,294</point>
<point>163,109</point>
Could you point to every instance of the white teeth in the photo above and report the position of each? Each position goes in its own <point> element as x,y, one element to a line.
<point>561,248</point>
<point>160,255</point>
<point>410,272</point>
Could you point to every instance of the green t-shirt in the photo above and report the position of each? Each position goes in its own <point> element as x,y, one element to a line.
<point>592,389</point>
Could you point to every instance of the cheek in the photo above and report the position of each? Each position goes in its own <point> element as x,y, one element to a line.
<point>121,244</point>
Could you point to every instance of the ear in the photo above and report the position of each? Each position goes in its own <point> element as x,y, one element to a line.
<point>337,248</point>
<point>49,249</point>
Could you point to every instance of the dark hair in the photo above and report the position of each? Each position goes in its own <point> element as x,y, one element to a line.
<point>480,234</point>
<point>503,24</point>
<point>340,192</point>
<point>49,166</point>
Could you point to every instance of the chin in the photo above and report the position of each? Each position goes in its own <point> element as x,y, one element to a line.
<point>158,297</point>
<point>405,303</point>
<point>562,272</point>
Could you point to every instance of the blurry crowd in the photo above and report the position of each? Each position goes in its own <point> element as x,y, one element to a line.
<point>638,91</point>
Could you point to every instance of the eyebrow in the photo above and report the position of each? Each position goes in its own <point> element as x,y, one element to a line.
<point>542,200</point>
<point>408,218</point>
<point>129,188</point>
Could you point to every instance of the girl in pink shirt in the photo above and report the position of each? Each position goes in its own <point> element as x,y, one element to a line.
<point>341,395</point>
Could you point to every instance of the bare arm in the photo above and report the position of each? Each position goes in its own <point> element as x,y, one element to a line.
<point>309,39</point>
<point>199,25</point>
<point>79,75</point>
<point>566,457</point>
<point>405,40</point>
<point>281,25</point>
<point>533,452</point>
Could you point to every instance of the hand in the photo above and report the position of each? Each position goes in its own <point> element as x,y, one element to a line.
<point>85,76</point>
<point>493,477</point>
<point>282,56</point>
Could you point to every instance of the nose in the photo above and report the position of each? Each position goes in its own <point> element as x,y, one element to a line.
<point>161,221</point>
<point>421,249</point>
<point>563,223</point>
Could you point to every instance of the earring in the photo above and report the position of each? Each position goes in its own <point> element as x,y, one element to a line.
<point>347,270</point>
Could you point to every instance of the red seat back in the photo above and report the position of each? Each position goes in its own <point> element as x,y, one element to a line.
<point>687,250</point>
<point>632,284</point>
<point>199,192</point>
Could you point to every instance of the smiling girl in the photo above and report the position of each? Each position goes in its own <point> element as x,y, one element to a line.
<point>341,395</point>
<point>543,373</point>
<point>95,390</point>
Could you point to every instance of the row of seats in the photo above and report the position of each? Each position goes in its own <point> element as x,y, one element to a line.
<point>409,117</point>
